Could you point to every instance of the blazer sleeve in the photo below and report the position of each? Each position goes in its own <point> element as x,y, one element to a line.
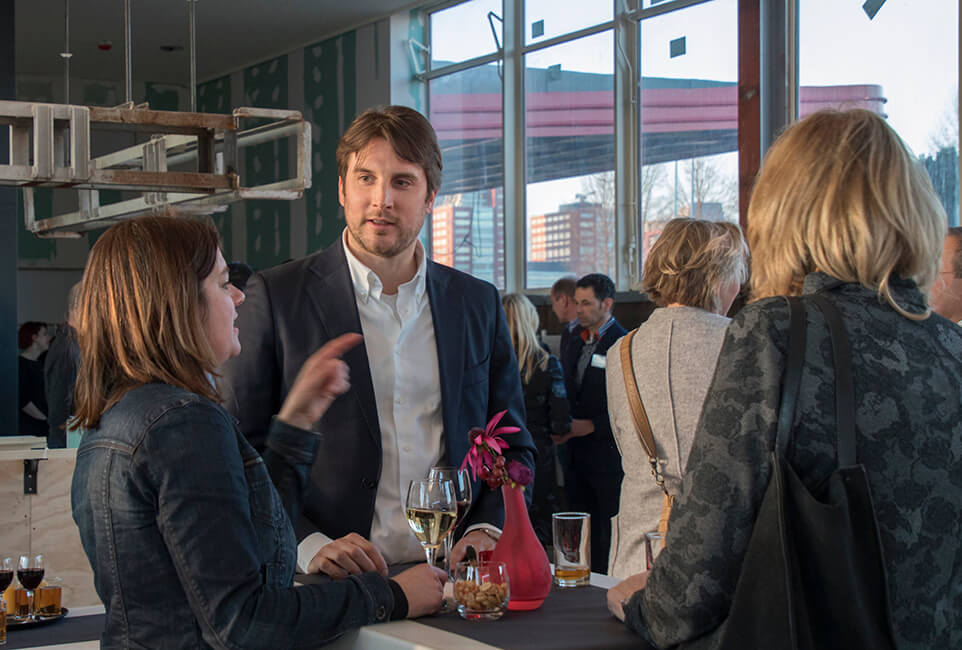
<point>558,399</point>
<point>253,378</point>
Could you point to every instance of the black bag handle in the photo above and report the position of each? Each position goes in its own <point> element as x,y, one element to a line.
<point>844,385</point>
<point>793,375</point>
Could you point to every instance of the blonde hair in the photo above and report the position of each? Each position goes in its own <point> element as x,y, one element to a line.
<point>839,192</point>
<point>691,260</point>
<point>523,326</point>
<point>142,313</point>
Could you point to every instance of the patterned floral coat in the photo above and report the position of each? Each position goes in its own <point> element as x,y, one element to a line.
<point>908,386</point>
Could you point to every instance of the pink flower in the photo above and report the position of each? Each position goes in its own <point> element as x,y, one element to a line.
<point>519,473</point>
<point>485,446</point>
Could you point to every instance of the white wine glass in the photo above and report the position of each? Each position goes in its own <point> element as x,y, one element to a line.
<point>461,478</point>
<point>431,510</point>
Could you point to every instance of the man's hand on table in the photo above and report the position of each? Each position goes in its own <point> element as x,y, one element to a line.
<point>423,586</point>
<point>480,540</point>
<point>624,590</point>
<point>349,555</point>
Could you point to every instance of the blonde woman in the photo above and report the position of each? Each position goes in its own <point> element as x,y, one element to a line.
<point>693,273</point>
<point>545,401</point>
<point>841,208</point>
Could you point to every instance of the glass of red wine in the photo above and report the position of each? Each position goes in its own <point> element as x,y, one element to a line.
<point>30,575</point>
<point>6,574</point>
<point>462,492</point>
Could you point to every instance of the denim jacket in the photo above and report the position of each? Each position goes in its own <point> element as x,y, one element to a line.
<point>190,542</point>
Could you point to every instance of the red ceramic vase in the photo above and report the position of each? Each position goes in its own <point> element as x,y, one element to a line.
<point>529,574</point>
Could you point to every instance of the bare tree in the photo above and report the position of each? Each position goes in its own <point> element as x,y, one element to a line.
<point>600,189</point>
<point>946,135</point>
<point>707,182</point>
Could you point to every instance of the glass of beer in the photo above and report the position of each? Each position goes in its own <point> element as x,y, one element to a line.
<point>47,599</point>
<point>571,538</point>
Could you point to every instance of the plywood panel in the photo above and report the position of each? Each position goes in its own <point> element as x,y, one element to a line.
<point>42,523</point>
<point>54,533</point>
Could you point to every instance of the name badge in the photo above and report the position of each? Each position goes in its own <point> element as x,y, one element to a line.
<point>598,361</point>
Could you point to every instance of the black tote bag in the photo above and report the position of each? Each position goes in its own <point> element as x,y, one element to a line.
<point>813,576</point>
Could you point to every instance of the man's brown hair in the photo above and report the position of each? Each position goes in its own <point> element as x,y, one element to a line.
<point>142,313</point>
<point>408,132</point>
<point>564,286</point>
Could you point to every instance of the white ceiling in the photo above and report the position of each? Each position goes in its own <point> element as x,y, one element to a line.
<point>231,34</point>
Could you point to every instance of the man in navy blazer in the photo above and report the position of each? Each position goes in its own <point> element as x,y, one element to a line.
<point>594,474</point>
<point>436,361</point>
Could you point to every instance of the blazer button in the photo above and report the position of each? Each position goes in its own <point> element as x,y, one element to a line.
<point>381,613</point>
<point>367,483</point>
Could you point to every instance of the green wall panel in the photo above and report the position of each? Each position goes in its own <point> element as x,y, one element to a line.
<point>330,104</point>
<point>268,222</point>
<point>214,97</point>
<point>29,246</point>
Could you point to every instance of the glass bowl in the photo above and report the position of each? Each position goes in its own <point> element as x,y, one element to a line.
<point>481,591</point>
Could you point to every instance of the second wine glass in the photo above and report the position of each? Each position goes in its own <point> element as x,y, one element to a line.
<point>461,478</point>
<point>30,575</point>
<point>431,511</point>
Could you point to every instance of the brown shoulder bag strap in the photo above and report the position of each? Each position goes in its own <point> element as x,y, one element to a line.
<point>643,427</point>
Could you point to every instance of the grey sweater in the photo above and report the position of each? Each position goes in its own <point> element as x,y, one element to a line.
<point>674,353</point>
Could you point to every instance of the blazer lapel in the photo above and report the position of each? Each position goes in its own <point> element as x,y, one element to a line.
<point>447,313</point>
<point>333,297</point>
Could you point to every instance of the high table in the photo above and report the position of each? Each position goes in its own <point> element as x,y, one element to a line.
<point>569,618</point>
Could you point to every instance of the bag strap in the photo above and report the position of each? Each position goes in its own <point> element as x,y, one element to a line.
<point>793,374</point>
<point>642,425</point>
<point>844,384</point>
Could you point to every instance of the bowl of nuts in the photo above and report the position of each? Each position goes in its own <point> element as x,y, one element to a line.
<point>481,590</point>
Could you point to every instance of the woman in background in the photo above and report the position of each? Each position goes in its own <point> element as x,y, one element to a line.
<point>191,543</point>
<point>33,340</point>
<point>843,209</point>
<point>546,405</point>
<point>693,273</point>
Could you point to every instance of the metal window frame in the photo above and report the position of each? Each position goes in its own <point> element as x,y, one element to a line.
<point>625,25</point>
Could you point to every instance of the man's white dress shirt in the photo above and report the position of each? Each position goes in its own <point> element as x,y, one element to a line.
<point>403,356</point>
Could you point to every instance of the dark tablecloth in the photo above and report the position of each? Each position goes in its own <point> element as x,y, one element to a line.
<point>568,619</point>
<point>66,630</point>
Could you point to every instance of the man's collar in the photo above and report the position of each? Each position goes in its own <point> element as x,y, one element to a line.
<point>367,283</point>
<point>590,335</point>
<point>572,325</point>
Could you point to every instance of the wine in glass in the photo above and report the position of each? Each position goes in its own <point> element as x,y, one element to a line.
<point>30,575</point>
<point>461,479</point>
<point>431,511</point>
<point>6,577</point>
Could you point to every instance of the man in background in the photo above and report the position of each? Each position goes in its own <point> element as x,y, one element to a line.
<point>594,473</point>
<point>946,294</point>
<point>564,308</point>
<point>60,373</point>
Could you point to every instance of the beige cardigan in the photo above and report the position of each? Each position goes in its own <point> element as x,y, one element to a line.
<point>674,352</point>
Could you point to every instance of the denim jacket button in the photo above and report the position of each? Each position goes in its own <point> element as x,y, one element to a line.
<point>367,483</point>
<point>381,613</point>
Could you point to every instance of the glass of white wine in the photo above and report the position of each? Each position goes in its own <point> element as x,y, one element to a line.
<point>431,511</point>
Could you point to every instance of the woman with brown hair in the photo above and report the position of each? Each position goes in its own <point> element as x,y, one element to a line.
<point>190,541</point>
<point>545,403</point>
<point>843,210</point>
<point>693,273</point>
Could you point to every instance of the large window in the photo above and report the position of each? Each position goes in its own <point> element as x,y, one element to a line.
<point>902,63</point>
<point>688,117</point>
<point>467,225</point>
<point>569,136</point>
